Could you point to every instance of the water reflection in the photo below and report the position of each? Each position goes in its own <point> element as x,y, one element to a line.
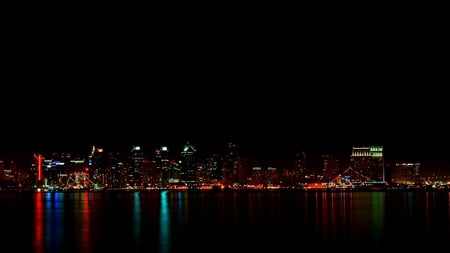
<point>54,227</point>
<point>377,210</point>
<point>164,223</point>
<point>137,220</point>
<point>170,221</point>
<point>38,224</point>
<point>48,222</point>
<point>85,224</point>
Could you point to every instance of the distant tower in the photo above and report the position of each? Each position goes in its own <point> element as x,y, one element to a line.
<point>368,161</point>
<point>188,166</point>
<point>163,165</point>
<point>299,172</point>
<point>330,167</point>
<point>97,164</point>
<point>39,171</point>
<point>214,168</point>
<point>231,164</point>
<point>407,173</point>
<point>115,171</point>
<point>135,166</point>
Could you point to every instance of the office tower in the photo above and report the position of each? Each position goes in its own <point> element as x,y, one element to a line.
<point>162,161</point>
<point>368,163</point>
<point>273,178</point>
<point>330,168</point>
<point>231,165</point>
<point>188,166</point>
<point>407,173</point>
<point>299,172</point>
<point>214,169</point>
<point>8,175</point>
<point>135,167</point>
<point>115,178</point>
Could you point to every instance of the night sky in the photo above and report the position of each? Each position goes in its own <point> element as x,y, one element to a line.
<point>274,120</point>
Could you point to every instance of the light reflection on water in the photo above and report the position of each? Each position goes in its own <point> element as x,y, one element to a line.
<point>164,224</point>
<point>137,220</point>
<point>171,221</point>
<point>38,224</point>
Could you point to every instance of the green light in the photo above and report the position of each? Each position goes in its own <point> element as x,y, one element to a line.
<point>376,148</point>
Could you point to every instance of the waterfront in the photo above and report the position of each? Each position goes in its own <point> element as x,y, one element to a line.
<point>205,221</point>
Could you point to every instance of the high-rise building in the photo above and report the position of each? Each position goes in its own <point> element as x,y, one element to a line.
<point>368,162</point>
<point>162,161</point>
<point>7,177</point>
<point>406,173</point>
<point>188,166</point>
<point>231,165</point>
<point>97,163</point>
<point>213,168</point>
<point>330,168</point>
<point>114,173</point>
<point>135,167</point>
<point>37,170</point>
<point>299,172</point>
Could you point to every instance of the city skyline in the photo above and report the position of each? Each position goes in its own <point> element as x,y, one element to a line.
<point>270,153</point>
<point>273,83</point>
<point>321,92</point>
<point>266,108</point>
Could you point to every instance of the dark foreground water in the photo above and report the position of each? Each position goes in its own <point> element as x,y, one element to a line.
<point>263,221</point>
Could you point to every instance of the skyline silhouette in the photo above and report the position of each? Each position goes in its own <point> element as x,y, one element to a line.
<point>269,151</point>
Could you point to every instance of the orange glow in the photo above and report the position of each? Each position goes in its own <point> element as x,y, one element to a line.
<point>315,186</point>
<point>206,187</point>
<point>86,236</point>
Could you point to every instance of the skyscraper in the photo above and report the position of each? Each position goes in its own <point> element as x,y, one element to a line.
<point>188,166</point>
<point>407,173</point>
<point>330,167</point>
<point>163,166</point>
<point>231,165</point>
<point>368,161</point>
<point>135,167</point>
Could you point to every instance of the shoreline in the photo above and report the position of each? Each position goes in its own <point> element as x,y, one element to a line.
<point>230,190</point>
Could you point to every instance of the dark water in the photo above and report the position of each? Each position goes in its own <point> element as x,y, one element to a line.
<point>223,221</point>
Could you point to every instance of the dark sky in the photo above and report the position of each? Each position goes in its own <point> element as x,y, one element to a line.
<point>273,89</point>
<point>267,116</point>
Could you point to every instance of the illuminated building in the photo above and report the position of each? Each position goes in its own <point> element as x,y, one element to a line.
<point>258,176</point>
<point>187,163</point>
<point>7,172</point>
<point>210,171</point>
<point>231,165</point>
<point>163,166</point>
<point>272,176</point>
<point>368,162</point>
<point>330,168</point>
<point>298,175</point>
<point>214,168</point>
<point>39,171</point>
<point>406,173</point>
<point>135,167</point>
<point>97,165</point>
<point>114,171</point>
<point>8,175</point>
